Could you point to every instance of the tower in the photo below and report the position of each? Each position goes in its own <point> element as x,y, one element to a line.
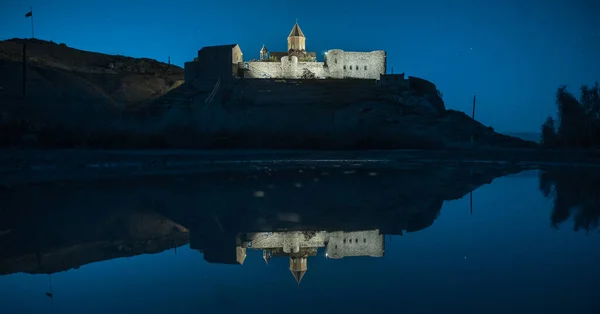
<point>298,266</point>
<point>296,39</point>
<point>267,256</point>
<point>264,53</point>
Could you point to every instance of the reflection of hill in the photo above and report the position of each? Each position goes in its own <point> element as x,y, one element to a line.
<point>402,198</point>
<point>576,194</point>
<point>72,224</point>
<point>51,228</point>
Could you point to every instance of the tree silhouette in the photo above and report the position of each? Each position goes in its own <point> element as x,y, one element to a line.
<point>549,132</point>
<point>578,124</point>
<point>575,194</point>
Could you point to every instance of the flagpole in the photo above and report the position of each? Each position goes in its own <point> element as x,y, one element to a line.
<point>32,34</point>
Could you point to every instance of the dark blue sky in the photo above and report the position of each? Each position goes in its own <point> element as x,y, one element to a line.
<point>512,54</point>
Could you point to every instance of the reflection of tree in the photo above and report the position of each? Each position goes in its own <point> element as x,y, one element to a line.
<point>575,194</point>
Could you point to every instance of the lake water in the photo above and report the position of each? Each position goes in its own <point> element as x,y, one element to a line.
<point>352,238</point>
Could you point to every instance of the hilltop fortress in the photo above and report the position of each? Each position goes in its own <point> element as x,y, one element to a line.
<point>299,63</point>
<point>295,63</point>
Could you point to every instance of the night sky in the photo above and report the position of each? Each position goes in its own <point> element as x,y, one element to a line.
<point>512,54</point>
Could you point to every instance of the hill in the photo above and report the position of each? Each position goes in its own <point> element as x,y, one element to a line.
<point>78,98</point>
<point>528,136</point>
<point>55,71</point>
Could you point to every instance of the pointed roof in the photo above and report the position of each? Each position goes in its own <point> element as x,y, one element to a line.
<point>298,274</point>
<point>296,31</point>
<point>298,266</point>
<point>264,49</point>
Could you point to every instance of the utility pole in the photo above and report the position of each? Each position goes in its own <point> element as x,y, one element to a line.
<point>24,69</point>
<point>473,117</point>
<point>473,114</point>
<point>471,201</point>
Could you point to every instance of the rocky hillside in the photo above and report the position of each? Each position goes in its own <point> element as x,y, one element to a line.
<point>56,70</point>
<point>65,84</point>
<point>329,114</point>
<point>77,98</point>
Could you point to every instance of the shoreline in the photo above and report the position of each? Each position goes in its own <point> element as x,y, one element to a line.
<point>36,166</point>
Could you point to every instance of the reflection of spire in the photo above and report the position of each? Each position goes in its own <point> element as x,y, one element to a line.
<point>267,256</point>
<point>298,275</point>
<point>298,267</point>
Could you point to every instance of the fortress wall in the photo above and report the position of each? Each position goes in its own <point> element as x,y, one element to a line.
<point>260,69</point>
<point>355,243</point>
<point>364,65</point>
<point>287,68</point>
<point>318,68</point>
<point>275,240</point>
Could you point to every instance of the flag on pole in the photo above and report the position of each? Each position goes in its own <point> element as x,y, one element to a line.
<point>28,14</point>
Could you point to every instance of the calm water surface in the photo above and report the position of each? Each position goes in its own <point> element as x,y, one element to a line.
<point>326,239</point>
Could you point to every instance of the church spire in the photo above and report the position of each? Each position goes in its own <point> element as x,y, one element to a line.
<point>296,39</point>
<point>264,53</point>
<point>296,31</point>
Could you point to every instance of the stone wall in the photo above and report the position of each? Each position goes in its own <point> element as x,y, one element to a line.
<point>318,68</point>
<point>262,69</point>
<point>213,64</point>
<point>364,65</point>
<point>289,67</point>
<point>236,54</point>
<point>355,243</point>
<point>339,64</point>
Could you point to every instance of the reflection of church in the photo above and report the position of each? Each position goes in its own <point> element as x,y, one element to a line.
<point>296,245</point>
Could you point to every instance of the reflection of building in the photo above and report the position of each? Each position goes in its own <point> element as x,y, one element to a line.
<point>357,243</point>
<point>298,245</point>
<point>295,245</point>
